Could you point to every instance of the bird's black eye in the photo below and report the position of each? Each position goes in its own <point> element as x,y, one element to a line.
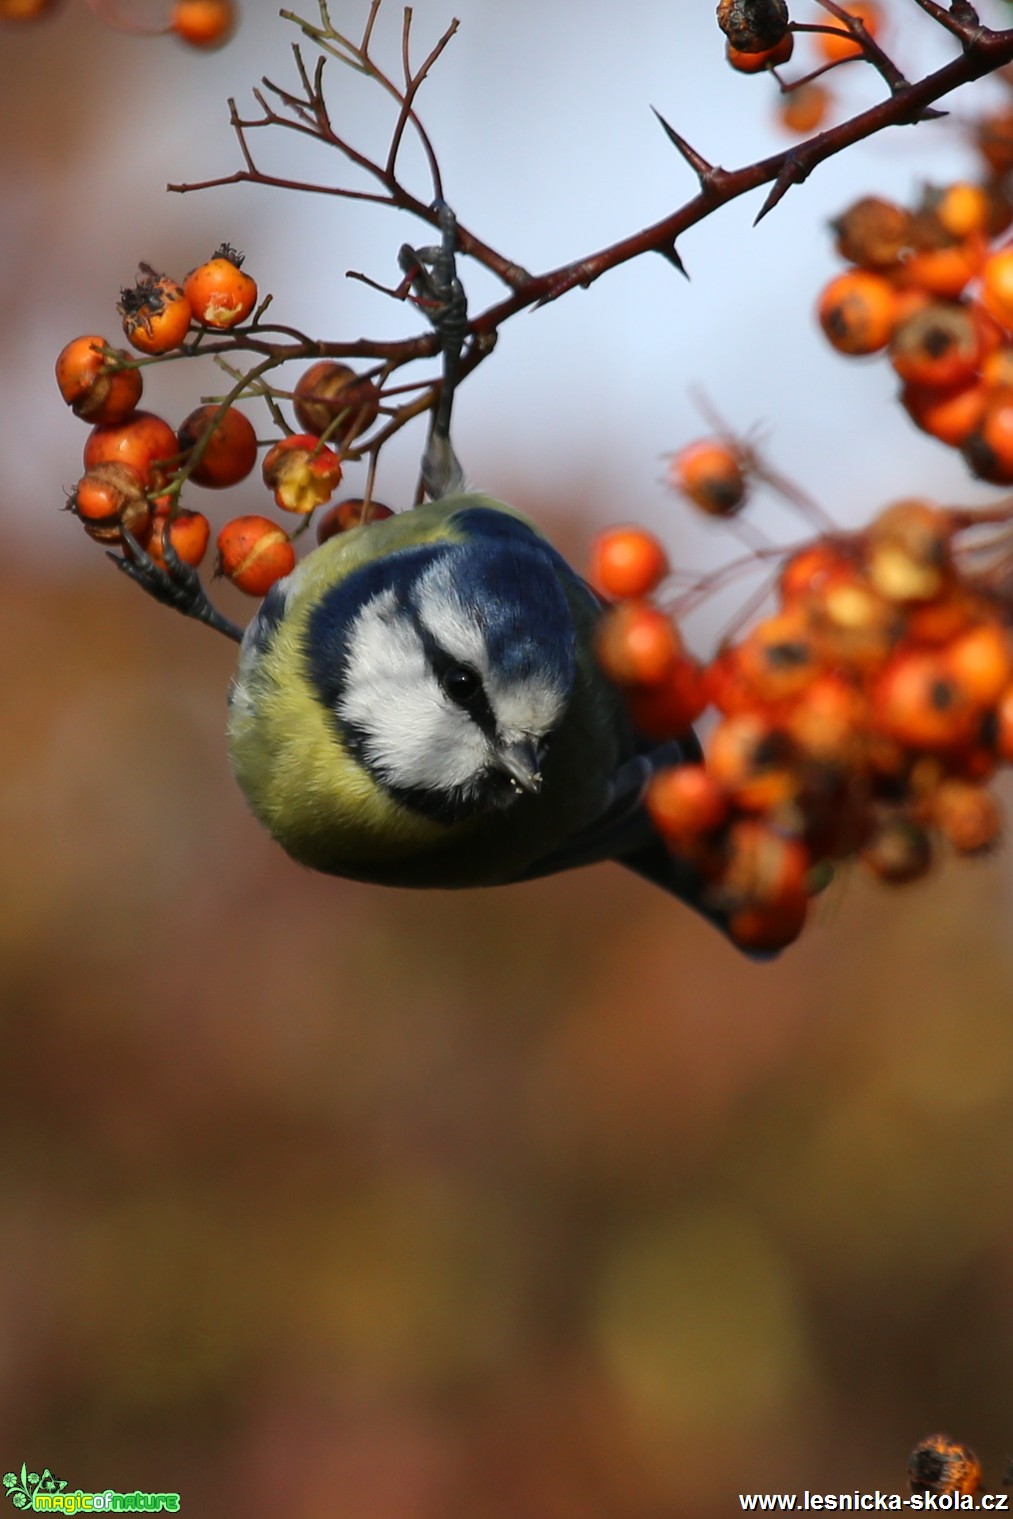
<point>461,684</point>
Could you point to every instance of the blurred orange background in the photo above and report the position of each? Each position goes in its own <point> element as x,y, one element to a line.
<point>537,1203</point>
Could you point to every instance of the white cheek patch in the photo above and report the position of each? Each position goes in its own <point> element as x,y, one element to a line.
<point>532,706</point>
<point>413,735</point>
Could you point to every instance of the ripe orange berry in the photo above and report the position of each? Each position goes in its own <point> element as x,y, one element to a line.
<point>220,294</point>
<point>809,570</point>
<point>637,644</point>
<point>858,311</point>
<point>981,663</point>
<point>762,866</point>
<point>946,271</point>
<point>989,449</point>
<point>344,515</point>
<point>765,930</point>
<point>997,368</point>
<point>827,725</point>
<point>726,689</point>
<point>204,23</point>
<point>898,850</point>
<point>909,551</point>
<point>873,233</point>
<point>684,804</point>
<point>188,534</point>
<point>710,473</point>
<point>963,208</point>
<point>852,624</point>
<point>109,498</point>
<point>672,704</point>
<point>327,391</point>
<point>805,108</point>
<point>156,314</point>
<point>301,472</point>
<point>918,701</point>
<point>753,760</point>
<point>967,815</point>
<point>769,58</point>
<point>839,42</point>
<point>253,553</point>
<point>143,441</point>
<point>949,415</point>
<point>230,452</point>
<point>997,286</point>
<point>627,562</point>
<point>778,659</point>
<point>941,1465</point>
<point>94,392</point>
<point>941,346</point>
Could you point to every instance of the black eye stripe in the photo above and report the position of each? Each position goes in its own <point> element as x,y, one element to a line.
<point>449,671</point>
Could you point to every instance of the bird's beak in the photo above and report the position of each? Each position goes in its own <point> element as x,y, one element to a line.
<point>521,761</point>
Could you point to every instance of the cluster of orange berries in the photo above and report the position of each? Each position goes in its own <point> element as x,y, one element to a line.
<point>861,719</point>
<point>759,37</point>
<point>931,288</point>
<point>136,464</point>
<point>200,23</point>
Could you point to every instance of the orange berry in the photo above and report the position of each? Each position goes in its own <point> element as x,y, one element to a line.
<point>109,498</point>
<point>805,108</point>
<point>253,553</point>
<point>710,473</point>
<point>156,314</point>
<point>753,760</point>
<point>988,450</point>
<point>230,452</point>
<point>898,851</point>
<point>908,548</point>
<point>949,415</point>
<point>762,867</point>
<point>188,534</point>
<point>637,644</point>
<point>963,208</point>
<point>852,623</point>
<point>997,286</point>
<point>672,704</point>
<point>997,369</point>
<point>220,294</point>
<point>827,724</point>
<point>778,659</point>
<point>940,346</point>
<point>769,58</point>
<point>839,43</point>
<point>625,562</point>
<point>810,569</point>
<point>143,441</point>
<point>327,391</point>
<point>981,663</point>
<point>873,233</point>
<point>941,1465</point>
<point>946,271</point>
<point>726,689</point>
<point>344,515</point>
<point>301,472</point>
<point>918,701</point>
<point>204,23</point>
<point>93,391</point>
<point>685,803</point>
<point>765,930</point>
<point>967,815</point>
<point>858,312</point>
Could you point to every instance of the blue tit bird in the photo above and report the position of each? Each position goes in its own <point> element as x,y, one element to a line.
<point>419,704</point>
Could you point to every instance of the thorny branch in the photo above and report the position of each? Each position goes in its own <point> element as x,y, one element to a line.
<point>304,110</point>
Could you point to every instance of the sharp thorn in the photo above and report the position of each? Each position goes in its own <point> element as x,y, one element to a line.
<point>671,253</point>
<point>696,161</point>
